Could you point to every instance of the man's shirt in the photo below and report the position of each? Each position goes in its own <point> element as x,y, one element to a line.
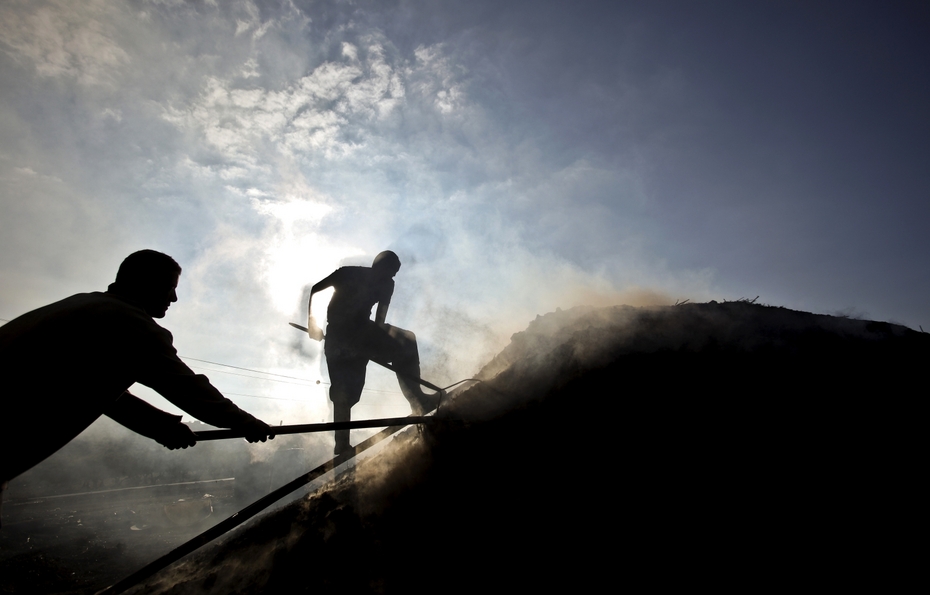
<point>64,364</point>
<point>358,289</point>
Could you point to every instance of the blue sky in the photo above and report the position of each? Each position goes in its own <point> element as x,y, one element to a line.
<point>519,156</point>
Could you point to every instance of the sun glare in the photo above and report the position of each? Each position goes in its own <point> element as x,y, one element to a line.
<point>296,254</point>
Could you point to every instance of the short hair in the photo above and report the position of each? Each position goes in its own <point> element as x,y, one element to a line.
<point>386,259</point>
<point>145,268</point>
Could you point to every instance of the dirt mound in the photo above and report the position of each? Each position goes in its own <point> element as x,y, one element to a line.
<point>720,444</point>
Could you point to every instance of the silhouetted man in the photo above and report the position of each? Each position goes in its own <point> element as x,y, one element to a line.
<point>353,339</point>
<point>67,363</point>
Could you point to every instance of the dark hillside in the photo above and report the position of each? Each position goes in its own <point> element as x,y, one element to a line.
<point>705,444</point>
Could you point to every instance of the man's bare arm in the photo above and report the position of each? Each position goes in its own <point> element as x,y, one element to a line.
<point>381,314</point>
<point>313,329</point>
<point>387,292</point>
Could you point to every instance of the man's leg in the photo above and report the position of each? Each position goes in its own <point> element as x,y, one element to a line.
<point>341,412</point>
<point>398,347</point>
<point>348,380</point>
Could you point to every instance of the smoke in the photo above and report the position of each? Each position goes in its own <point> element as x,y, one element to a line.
<point>107,456</point>
<point>112,501</point>
<point>333,166</point>
<point>293,141</point>
<point>281,150</point>
<point>263,149</point>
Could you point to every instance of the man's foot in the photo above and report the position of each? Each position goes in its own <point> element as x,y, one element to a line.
<point>342,438</point>
<point>342,443</point>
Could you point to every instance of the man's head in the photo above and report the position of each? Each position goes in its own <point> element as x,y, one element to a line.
<point>386,263</point>
<point>150,279</point>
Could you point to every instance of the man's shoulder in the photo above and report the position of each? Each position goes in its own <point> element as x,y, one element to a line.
<point>62,308</point>
<point>126,322</point>
<point>96,309</point>
<point>105,304</point>
<point>353,270</point>
<point>85,321</point>
<point>351,275</point>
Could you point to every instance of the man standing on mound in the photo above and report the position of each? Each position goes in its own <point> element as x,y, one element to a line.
<point>70,362</point>
<point>353,339</point>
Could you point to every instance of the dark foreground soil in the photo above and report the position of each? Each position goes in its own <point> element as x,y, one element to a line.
<point>112,501</point>
<point>723,445</point>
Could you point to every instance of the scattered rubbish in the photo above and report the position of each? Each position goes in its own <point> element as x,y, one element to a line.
<point>189,512</point>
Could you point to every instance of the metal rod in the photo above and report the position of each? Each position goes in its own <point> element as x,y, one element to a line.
<point>321,427</point>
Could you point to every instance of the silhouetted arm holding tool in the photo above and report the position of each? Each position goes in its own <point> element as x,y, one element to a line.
<point>313,329</point>
<point>99,344</point>
<point>194,394</point>
<point>142,418</point>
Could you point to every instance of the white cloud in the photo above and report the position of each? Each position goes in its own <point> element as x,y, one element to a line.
<point>324,112</point>
<point>267,153</point>
<point>114,114</point>
<point>64,39</point>
<point>250,69</point>
<point>434,76</point>
<point>242,26</point>
<point>349,51</point>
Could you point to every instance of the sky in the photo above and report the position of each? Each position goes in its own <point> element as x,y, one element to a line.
<point>519,156</point>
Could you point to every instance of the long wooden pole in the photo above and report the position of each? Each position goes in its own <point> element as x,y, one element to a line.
<point>321,427</point>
